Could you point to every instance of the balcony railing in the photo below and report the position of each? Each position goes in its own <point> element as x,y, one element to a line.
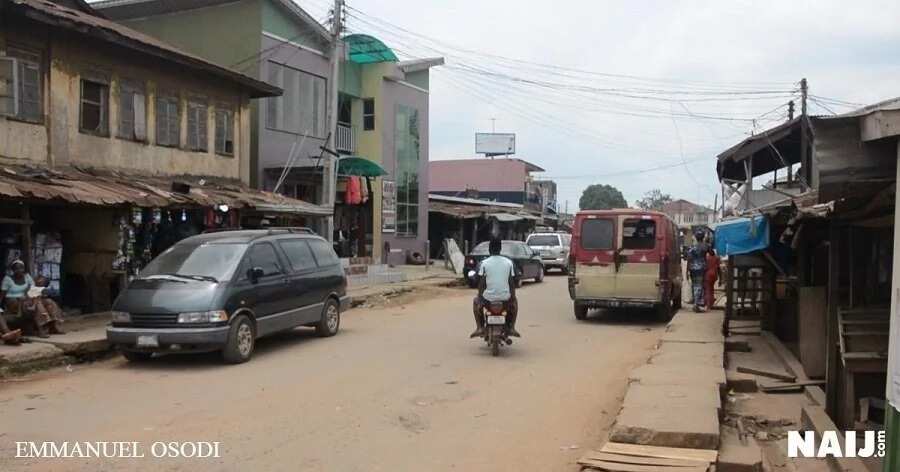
<point>345,138</point>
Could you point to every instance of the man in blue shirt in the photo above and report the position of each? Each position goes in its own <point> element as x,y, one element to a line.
<point>496,284</point>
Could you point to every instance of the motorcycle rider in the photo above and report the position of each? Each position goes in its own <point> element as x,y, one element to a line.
<point>496,284</point>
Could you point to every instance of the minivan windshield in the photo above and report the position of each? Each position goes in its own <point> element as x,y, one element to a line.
<point>543,240</point>
<point>212,262</point>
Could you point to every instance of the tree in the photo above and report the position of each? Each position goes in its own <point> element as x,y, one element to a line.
<point>601,197</point>
<point>653,200</point>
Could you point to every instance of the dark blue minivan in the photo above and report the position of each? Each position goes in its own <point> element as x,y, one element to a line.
<point>222,291</point>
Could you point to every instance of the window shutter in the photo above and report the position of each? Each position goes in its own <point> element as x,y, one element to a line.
<point>203,122</point>
<point>9,86</point>
<point>140,116</point>
<point>30,94</point>
<point>220,131</point>
<point>174,123</point>
<point>192,127</point>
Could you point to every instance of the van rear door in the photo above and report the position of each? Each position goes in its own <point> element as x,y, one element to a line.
<point>593,250</point>
<point>640,244</point>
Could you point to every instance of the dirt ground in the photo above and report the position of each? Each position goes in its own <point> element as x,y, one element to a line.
<point>400,388</point>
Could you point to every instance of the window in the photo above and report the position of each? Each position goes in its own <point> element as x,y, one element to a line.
<point>406,145</point>
<point>543,240</point>
<point>299,254</point>
<point>168,120</point>
<point>30,89</point>
<point>597,234</point>
<point>132,111</point>
<point>301,109</point>
<point>324,253</point>
<point>638,234</point>
<point>94,107</point>
<point>197,122</point>
<point>263,256</point>
<point>225,131</point>
<point>368,114</point>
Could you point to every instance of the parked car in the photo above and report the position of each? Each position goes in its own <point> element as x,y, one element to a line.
<point>553,248</point>
<point>223,291</point>
<point>624,258</point>
<point>527,261</point>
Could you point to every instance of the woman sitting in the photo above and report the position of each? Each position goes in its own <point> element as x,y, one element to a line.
<point>43,311</point>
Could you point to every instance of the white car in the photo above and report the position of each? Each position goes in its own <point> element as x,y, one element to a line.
<point>553,249</point>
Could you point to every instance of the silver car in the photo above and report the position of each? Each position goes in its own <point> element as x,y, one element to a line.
<point>553,249</point>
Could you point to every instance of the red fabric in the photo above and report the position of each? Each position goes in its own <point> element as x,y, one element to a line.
<point>354,193</point>
<point>709,279</point>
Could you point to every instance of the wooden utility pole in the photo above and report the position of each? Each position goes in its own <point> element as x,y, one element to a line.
<point>329,174</point>
<point>804,145</point>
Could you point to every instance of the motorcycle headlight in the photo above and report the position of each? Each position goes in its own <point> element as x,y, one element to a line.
<point>121,317</point>
<point>203,316</point>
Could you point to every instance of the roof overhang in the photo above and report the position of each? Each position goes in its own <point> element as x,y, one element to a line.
<point>770,150</point>
<point>417,65</point>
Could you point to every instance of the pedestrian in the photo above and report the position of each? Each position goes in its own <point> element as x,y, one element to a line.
<point>713,273</point>
<point>42,311</point>
<point>697,269</point>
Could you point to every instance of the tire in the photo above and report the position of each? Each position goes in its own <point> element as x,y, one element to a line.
<point>241,341</point>
<point>133,356</point>
<point>663,311</point>
<point>330,322</point>
<point>540,276</point>
<point>580,312</point>
<point>471,283</point>
<point>495,347</point>
<point>519,282</point>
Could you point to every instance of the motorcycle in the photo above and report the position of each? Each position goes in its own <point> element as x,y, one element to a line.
<point>495,332</point>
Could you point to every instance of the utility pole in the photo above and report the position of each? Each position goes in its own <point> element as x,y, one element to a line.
<point>804,145</point>
<point>329,174</point>
<point>790,110</point>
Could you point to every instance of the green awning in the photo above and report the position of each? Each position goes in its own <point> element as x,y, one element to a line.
<point>359,166</point>
<point>365,49</point>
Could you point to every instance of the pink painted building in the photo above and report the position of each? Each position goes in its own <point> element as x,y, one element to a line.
<point>500,179</point>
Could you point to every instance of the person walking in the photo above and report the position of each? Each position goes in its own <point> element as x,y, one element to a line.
<point>697,269</point>
<point>713,273</point>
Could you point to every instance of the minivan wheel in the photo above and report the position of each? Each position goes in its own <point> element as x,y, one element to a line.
<point>241,341</point>
<point>331,319</point>
<point>134,356</point>
<point>580,311</point>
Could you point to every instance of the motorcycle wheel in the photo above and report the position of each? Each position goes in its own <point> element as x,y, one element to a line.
<point>495,347</point>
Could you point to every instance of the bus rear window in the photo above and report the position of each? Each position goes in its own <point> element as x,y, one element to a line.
<point>597,234</point>
<point>638,234</point>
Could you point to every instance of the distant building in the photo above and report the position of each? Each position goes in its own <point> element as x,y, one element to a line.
<point>506,180</point>
<point>688,215</point>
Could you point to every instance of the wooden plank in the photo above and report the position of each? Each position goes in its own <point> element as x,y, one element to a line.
<point>812,313</point>
<point>619,467</point>
<point>791,364</point>
<point>790,386</point>
<point>659,451</point>
<point>771,375</point>
<point>657,461</point>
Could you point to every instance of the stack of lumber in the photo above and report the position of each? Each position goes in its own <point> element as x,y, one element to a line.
<point>620,457</point>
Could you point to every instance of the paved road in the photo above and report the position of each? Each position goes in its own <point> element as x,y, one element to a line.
<point>400,388</point>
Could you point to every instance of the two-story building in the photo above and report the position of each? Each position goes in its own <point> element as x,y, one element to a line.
<point>507,180</point>
<point>688,215</point>
<point>382,115</point>
<point>114,145</point>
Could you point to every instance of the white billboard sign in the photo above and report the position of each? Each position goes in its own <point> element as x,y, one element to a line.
<point>495,143</point>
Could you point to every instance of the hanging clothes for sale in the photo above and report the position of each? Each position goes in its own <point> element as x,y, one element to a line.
<point>364,189</point>
<point>354,194</point>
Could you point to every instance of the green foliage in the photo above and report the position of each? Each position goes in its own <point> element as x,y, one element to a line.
<point>601,197</point>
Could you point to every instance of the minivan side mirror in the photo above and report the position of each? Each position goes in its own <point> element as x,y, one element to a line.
<point>255,273</point>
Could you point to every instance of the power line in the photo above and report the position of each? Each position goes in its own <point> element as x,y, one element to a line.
<point>625,172</point>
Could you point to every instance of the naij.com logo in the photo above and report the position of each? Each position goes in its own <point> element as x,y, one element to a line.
<point>805,444</point>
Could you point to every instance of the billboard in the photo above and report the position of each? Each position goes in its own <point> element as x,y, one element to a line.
<point>494,144</point>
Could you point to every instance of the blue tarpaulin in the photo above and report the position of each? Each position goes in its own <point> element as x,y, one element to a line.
<point>742,236</point>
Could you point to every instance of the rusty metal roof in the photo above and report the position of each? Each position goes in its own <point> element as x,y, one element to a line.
<point>58,16</point>
<point>114,188</point>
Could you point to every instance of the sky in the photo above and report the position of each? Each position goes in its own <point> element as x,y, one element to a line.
<point>602,92</point>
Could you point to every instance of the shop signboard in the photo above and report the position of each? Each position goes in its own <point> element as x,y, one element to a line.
<point>388,206</point>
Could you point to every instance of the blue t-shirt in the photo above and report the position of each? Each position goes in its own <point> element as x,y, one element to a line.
<point>14,290</point>
<point>697,257</point>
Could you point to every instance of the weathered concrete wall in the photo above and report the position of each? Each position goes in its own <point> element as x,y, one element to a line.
<point>59,141</point>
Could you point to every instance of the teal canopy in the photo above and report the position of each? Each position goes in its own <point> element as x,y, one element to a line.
<point>365,49</point>
<point>359,166</point>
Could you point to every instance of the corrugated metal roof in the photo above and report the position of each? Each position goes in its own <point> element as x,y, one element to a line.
<point>58,16</point>
<point>113,188</point>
